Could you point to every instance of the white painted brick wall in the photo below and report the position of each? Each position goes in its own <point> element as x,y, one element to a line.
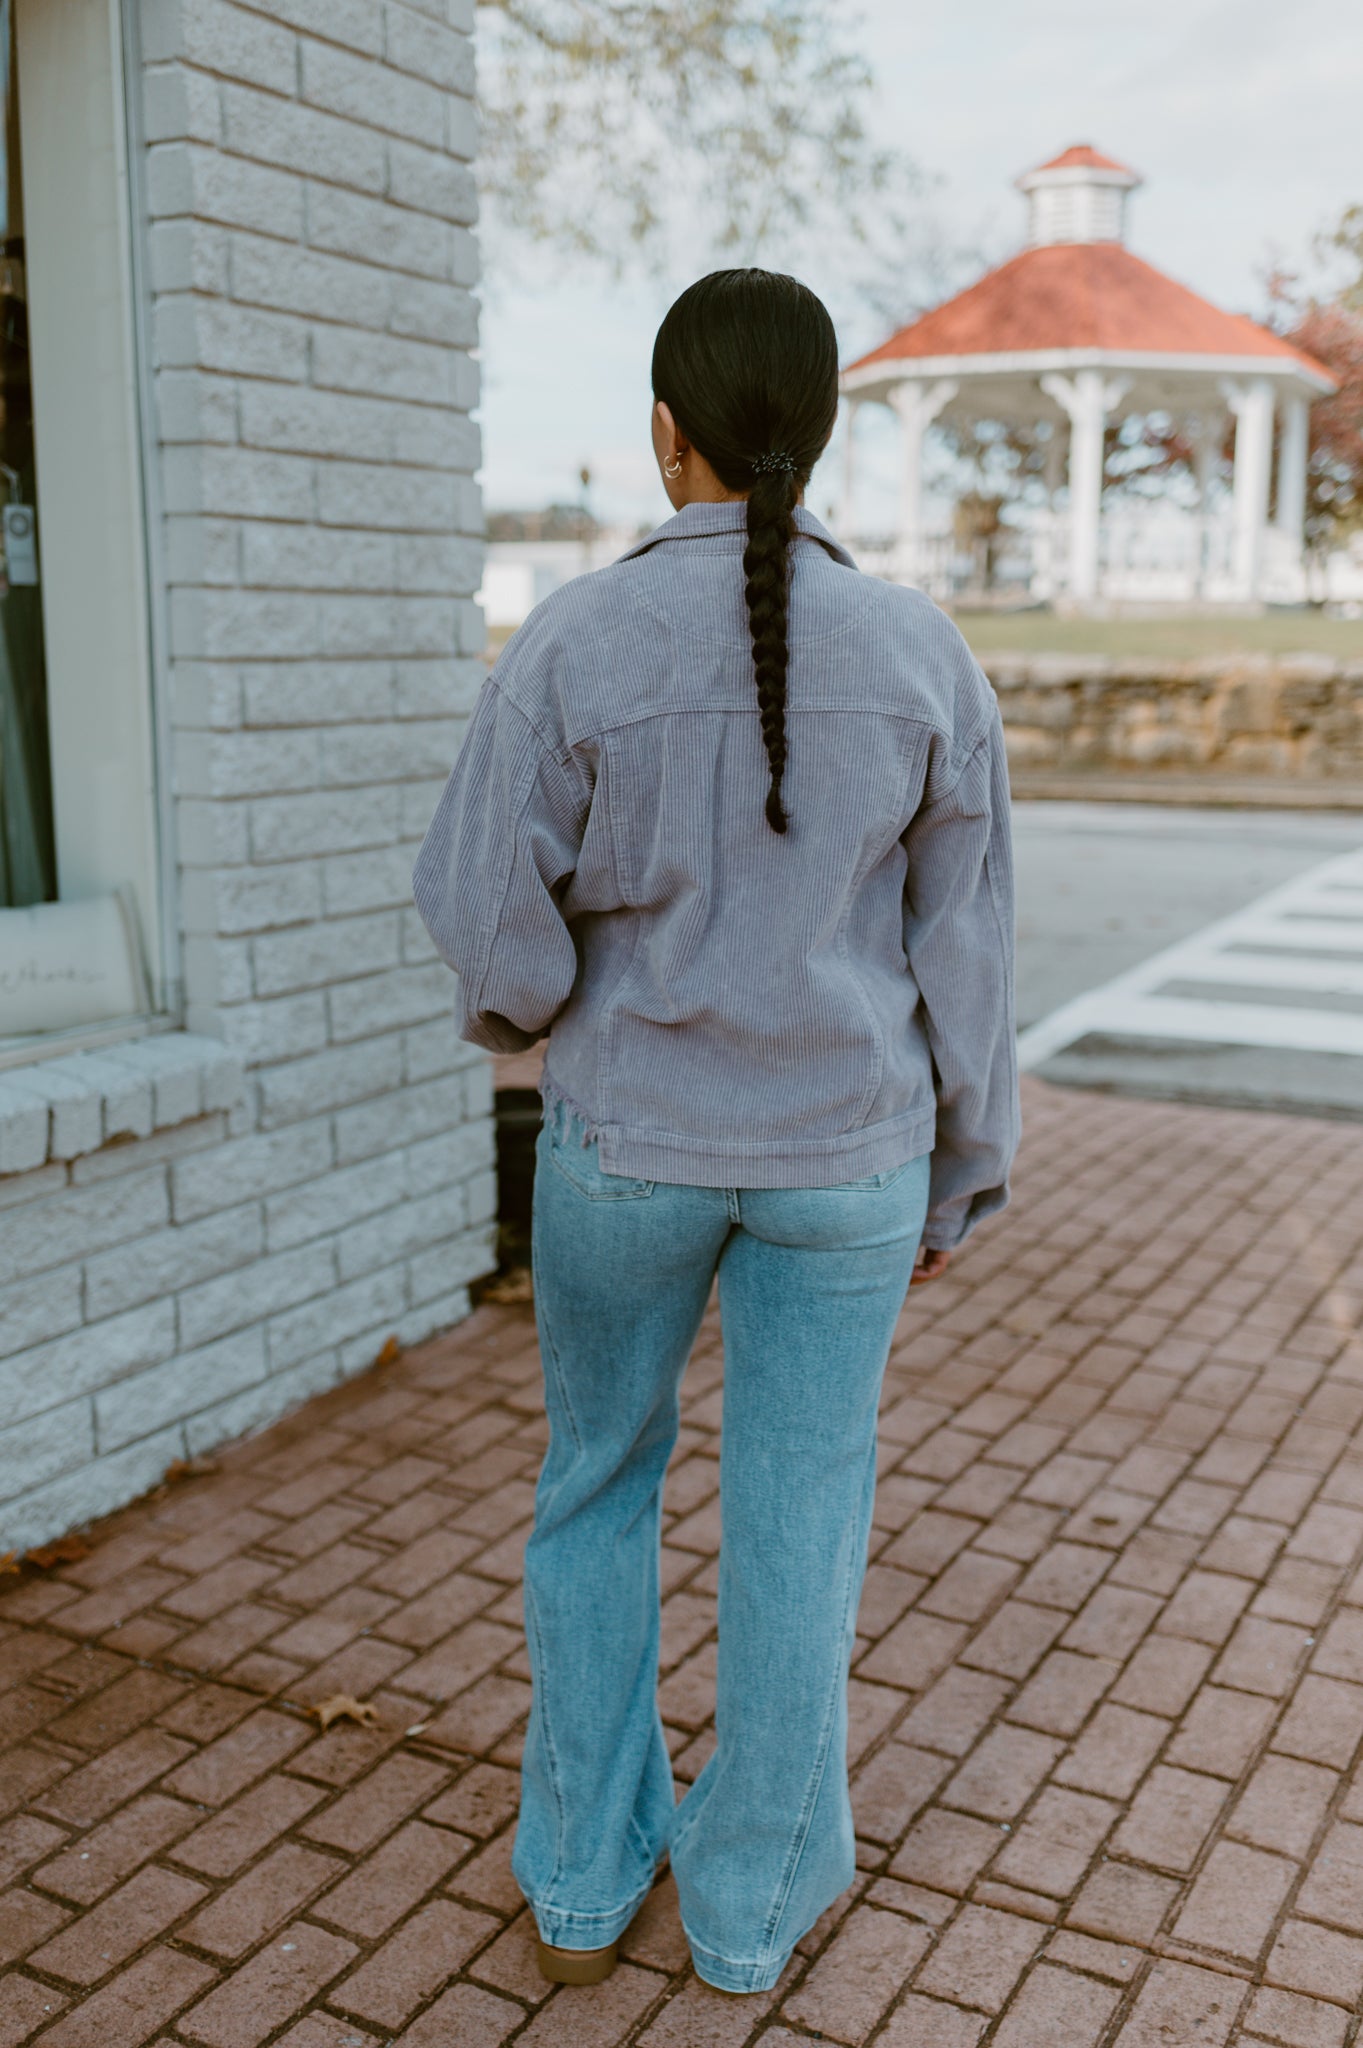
<point>310,254</point>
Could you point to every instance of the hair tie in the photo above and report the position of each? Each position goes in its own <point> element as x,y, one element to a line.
<point>775,463</point>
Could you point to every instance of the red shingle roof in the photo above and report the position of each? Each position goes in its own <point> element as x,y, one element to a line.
<point>1081,295</point>
<point>1084,155</point>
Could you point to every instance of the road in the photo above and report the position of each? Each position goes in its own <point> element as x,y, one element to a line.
<point>1104,890</point>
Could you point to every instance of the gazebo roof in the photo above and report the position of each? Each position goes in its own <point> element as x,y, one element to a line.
<point>1065,296</point>
<point>1083,156</point>
<point>1076,297</point>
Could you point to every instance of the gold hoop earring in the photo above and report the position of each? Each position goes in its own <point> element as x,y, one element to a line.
<point>670,472</point>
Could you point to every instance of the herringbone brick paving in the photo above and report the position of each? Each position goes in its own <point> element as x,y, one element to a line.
<point>1107,1696</point>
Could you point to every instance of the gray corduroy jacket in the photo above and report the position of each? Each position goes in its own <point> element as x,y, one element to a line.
<point>727,1007</point>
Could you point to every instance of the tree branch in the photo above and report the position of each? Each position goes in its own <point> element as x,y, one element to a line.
<point>616,123</point>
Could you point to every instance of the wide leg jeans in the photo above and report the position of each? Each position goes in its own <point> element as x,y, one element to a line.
<point>811,1282</point>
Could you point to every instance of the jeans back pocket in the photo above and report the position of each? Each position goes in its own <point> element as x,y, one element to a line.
<point>580,1163</point>
<point>874,1183</point>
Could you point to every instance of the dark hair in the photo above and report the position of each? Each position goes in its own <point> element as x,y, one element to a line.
<point>747,360</point>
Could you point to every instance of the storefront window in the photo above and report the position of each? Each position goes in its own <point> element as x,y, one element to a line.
<point>28,862</point>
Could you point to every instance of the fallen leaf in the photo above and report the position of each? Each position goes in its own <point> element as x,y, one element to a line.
<point>340,1707</point>
<point>391,1352</point>
<point>66,1550</point>
<point>9,1562</point>
<point>188,1468</point>
<point>511,1289</point>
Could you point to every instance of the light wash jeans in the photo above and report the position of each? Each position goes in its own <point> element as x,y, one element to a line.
<point>811,1281</point>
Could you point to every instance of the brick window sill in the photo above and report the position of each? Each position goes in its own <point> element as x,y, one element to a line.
<point>61,1108</point>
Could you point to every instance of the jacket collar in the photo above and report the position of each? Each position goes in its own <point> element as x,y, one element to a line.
<point>730,516</point>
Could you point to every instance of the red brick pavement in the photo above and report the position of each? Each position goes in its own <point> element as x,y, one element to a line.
<point>1107,1695</point>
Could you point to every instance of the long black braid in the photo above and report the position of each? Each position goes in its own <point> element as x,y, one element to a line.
<point>747,360</point>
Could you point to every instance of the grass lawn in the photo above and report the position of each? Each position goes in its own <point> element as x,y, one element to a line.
<point>1171,639</point>
<point>1175,639</point>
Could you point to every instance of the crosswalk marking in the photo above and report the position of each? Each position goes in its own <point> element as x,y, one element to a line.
<point>1306,934</point>
<point>1304,938</point>
<point>1272,970</point>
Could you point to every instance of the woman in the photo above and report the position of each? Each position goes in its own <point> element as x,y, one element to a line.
<point>731,826</point>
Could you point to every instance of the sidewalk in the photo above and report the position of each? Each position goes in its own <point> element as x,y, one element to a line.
<point>1106,1697</point>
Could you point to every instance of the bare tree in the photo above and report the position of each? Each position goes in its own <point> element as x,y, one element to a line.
<point>1345,242</point>
<point>615,128</point>
<point>1327,323</point>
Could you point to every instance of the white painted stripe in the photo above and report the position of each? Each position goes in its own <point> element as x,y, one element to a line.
<point>1271,970</point>
<point>1326,910</point>
<point>1307,935</point>
<point>1221,1023</point>
<point>1267,922</point>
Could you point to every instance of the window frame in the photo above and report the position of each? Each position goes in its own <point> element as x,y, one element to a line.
<point>97,457</point>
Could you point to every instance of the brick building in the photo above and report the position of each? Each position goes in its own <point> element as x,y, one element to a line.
<point>240,1143</point>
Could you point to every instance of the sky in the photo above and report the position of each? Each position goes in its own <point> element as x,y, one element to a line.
<point>1242,115</point>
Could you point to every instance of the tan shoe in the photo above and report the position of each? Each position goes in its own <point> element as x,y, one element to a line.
<point>577,1965</point>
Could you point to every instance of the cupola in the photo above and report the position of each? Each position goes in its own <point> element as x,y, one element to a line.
<point>1079,196</point>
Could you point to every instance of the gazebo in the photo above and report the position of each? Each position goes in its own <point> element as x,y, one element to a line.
<point>1077,331</point>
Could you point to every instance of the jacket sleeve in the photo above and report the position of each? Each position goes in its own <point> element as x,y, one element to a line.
<point>491,874</point>
<point>958,935</point>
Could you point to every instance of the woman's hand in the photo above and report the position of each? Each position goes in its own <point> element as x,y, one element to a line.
<point>928,1265</point>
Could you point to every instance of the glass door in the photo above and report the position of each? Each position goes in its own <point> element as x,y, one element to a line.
<point>28,860</point>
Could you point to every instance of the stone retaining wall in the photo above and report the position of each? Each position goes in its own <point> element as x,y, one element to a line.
<point>1300,716</point>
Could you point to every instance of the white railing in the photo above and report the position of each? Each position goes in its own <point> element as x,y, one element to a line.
<point>1155,560</point>
<point>939,564</point>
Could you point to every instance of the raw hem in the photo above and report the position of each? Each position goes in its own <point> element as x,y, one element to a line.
<point>640,1154</point>
<point>727,1973</point>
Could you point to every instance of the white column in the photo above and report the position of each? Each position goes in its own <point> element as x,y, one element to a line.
<point>1088,397</point>
<point>1045,581</point>
<point>1206,432</point>
<point>1290,518</point>
<point>917,405</point>
<point>1054,472</point>
<point>1252,404</point>
<point>847,506</point>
